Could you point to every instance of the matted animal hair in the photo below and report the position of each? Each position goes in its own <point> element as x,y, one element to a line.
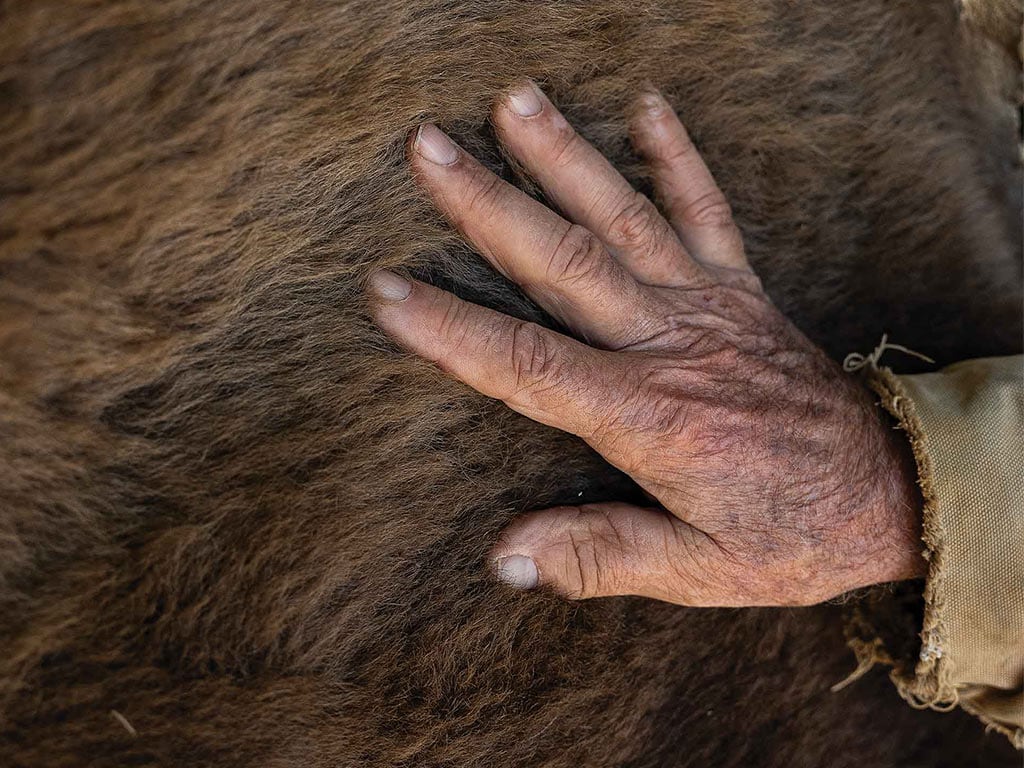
<point>238,527</point>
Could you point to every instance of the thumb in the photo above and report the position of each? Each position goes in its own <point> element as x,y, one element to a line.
<point>600,550</point>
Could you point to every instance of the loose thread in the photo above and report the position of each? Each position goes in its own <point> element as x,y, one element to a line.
<point>855,361</point>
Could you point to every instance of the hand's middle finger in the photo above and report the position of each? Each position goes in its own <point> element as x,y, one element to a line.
<point>562,266</point>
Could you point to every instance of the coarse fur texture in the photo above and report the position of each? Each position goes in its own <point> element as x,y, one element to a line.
<point>238,527</point>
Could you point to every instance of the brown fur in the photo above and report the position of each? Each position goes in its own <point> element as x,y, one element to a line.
<point>232,513</point>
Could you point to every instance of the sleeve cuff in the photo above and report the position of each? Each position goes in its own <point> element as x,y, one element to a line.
<point>963,643</point>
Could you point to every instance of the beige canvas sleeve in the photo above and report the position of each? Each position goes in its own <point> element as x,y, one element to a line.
<point>966,426</point>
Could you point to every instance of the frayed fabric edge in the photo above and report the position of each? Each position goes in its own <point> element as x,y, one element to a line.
<point>929,684</point>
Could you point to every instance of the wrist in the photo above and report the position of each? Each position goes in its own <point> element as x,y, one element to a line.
<point>902,507</point>
<point>907,508</point>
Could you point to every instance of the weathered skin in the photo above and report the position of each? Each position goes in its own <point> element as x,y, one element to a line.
<point>233,513</point>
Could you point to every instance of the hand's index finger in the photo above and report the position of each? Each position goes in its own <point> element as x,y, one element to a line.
<point>537,372</point>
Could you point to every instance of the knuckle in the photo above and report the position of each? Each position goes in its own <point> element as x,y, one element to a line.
<point>453,324</point>
<point>637,223</point>
<point>577,255</point>
<point>565,145</point>
<point>591,569</point>
<point>580,568</point>
<point>701,572</point>
<point>710,209</point>
<point>749,282</point>
<point>533,359</point>
<point>483,193</point>
<point>678,150</point>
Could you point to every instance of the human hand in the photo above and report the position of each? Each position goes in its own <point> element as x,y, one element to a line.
<point>778,481</point>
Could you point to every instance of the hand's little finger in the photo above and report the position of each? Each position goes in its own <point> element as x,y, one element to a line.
<point>696,207</point>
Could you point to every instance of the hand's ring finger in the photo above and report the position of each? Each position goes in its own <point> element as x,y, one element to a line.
<point>589,191</point>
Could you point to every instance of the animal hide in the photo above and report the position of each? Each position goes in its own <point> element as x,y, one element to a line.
<point>239,527</point>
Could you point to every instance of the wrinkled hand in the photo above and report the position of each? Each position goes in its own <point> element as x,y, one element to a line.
<point>778,482</point>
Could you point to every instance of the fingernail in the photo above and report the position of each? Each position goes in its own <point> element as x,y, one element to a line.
<point>388,286</point>
<point>525,100</point>
<point>433,145</point>
<point>517,571</point>
<point>653,103</point>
